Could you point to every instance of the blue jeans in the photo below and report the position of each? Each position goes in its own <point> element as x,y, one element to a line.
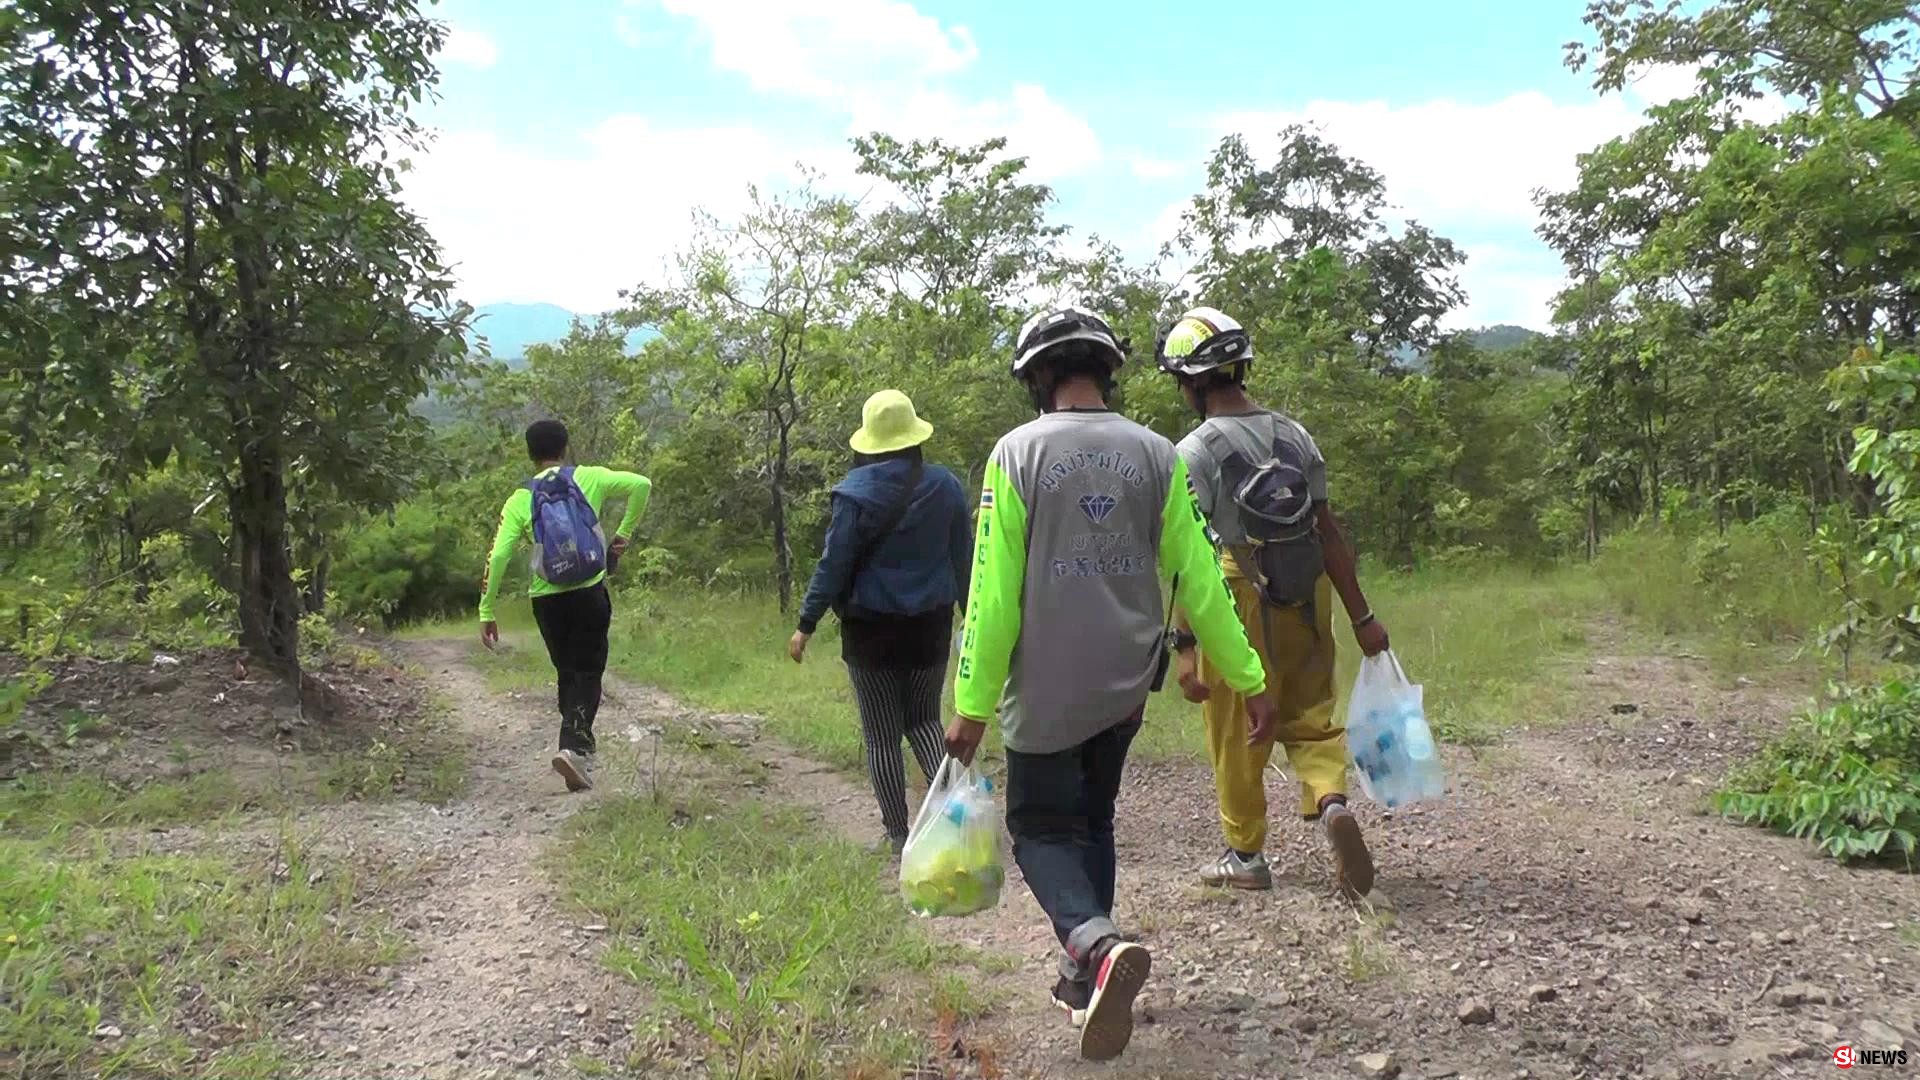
<point>1060,812</point>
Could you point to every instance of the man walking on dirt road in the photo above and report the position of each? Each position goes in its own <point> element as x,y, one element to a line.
<point>1083,514</point>
<point>1262,484</point>
<point>559,510</point>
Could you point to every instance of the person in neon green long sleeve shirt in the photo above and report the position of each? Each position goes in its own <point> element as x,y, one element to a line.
<point>1084,515</point>
<point>573,619</point>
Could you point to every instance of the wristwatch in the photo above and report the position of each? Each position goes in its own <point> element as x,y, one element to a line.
<point>1184,640</point>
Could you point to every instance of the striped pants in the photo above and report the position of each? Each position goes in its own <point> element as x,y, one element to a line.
<point>896,703</point>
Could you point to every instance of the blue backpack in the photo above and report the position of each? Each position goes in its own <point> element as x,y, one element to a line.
<point>568,546</point>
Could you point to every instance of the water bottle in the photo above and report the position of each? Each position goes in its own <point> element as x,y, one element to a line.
<point>959,799</point>
<point>1419,739</point>
<point>1383,752</point>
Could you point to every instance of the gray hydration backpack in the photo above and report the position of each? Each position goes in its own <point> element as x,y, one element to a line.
<point>1282,555</point>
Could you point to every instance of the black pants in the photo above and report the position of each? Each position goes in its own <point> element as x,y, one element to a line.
<point>896,703</point>
<point>574,626</point>
<point>1060,812</point>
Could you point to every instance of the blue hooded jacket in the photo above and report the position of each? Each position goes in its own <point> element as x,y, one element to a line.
<point>922,565</point>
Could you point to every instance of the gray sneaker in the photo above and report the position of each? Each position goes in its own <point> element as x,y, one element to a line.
<point>575,769</point>
<point>1232,871</point>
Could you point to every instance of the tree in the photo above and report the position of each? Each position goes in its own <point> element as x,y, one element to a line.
<point>202,206</point>
<point>1721,266</point>
<point>586,380</point>
<point>1299,251</point>
<point>1303,243</point>
<point>966,227</point>
<point>1865,50</point>
<point>961,239</point>
<point>755,331</point>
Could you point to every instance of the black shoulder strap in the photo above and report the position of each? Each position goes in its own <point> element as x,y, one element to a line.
<point>1283,426</point>
<point>1215,440</point>
<point>891,522</point>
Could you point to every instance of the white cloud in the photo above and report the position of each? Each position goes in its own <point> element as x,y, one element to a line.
<point>1472,164</point>
<point>1165,226</point>
<point>470,48</point>
<point>1508,285</point>
<point>1055,141</point>
<point>1458,163</point>
<point>1152,168</point>
<point>883,64</point>
<point>825,48</point>
<point>576,228</point>
<point>1470,171</point>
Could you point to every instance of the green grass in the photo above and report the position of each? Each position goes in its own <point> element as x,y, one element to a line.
<point>60,801</point>
<point>1748,598</point>
<point>1487,645</point>
<point>1494,645</point>
<point>383,770</point>
<point>787,949</point>
<point>187,957</point>
<point>1364,957</point>
<point>428,769</point>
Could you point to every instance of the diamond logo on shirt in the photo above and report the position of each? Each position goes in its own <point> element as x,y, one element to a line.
<point>1098,507</point>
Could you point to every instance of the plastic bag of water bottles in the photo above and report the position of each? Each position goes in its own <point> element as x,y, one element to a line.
<point>951,864</point>
<point>1388,737</point>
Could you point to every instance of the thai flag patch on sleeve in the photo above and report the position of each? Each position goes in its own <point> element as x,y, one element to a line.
<point>986,498</point>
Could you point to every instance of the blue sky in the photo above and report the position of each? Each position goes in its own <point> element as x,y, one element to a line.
<point>575,137</point>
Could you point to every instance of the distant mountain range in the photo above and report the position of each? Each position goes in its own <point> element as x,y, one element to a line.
<point>1503,338</point>
<point>510,328</point>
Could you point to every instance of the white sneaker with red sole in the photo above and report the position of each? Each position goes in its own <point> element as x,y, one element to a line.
<point>1108,1026</point>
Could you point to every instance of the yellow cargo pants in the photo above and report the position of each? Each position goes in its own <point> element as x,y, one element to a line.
<point>1299,665</point>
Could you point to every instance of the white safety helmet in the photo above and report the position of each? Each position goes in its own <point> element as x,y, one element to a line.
<point>1202,340</point>
<point>1058,326</point>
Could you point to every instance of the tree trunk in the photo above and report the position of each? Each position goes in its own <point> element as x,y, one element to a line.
<point>269,603</point>
<point>132,559</point>
<point>782,550</point>
<point>316,599</point>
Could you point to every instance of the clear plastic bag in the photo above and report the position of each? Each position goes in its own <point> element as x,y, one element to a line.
<point>951,865</point>
<point>1391,746</point>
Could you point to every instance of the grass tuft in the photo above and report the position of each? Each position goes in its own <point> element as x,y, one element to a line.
<point>788,950</point>
<point>62,801</point>
<point>167,966</point>
<point>1488,644</point>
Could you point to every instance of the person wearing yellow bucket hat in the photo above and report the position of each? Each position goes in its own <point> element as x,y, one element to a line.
<point>888,425</point>
<point>897,560</point>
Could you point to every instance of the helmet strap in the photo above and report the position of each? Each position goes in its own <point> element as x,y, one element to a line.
<point>1202,389</point>
<point>1042,379</point>
<point>1041,392</point>
<point>1207,382</point>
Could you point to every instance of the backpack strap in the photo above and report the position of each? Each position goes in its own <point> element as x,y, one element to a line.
<point>1220,447</point>
<point>1245,555</point>
<point>564,472</point>
<point>1216,441</point>
<point>895,513</point>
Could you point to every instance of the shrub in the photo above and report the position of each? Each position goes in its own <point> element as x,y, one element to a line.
<point>1754,582</point>
<point>418,564</point>
<point>1846,776</point>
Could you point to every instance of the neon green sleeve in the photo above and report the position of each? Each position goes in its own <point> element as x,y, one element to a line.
<point>634,488</point>
<point>1204,597</point>
<point>994,598</point>
<point>516,517</point>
